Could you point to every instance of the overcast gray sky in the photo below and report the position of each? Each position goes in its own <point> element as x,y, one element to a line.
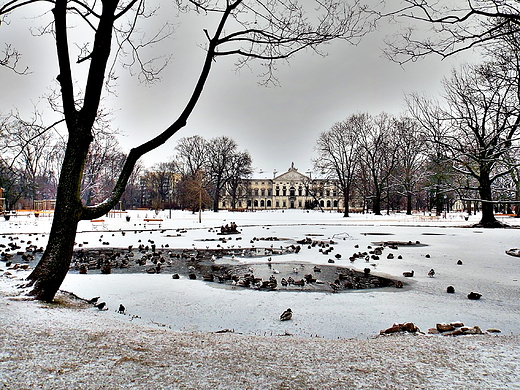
<point>277,125</point>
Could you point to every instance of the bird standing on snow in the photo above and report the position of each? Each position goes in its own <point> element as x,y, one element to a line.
<point>101,306</point>
<point>93,301</point>
<point>431,273</point>
<point>286,315</point>
<point>121,309</point>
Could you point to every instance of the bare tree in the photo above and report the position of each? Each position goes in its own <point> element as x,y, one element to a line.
<point>161,184</point>
<point>477,128</point>
<point>26,160</point>
<point>104,160</point>
<point>378,153</point>
<point>410,166</point>
<point>192,193</point>
<point>265,31</point>
<point>240,169</point>
<point>338,155</point>
<point>191,155</point>
<point>452,28</point>
<point>132,196</point>
<point>220,159</point>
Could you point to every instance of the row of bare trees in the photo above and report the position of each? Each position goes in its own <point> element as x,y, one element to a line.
<point>196,177</point>
<point>210,169</point>
<point>371,156</point>
<point>31,156</point>
<point>464,144</point>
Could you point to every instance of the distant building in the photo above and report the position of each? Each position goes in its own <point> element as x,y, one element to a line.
<point>290,190</point>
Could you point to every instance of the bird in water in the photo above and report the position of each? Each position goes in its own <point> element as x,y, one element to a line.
<point>286,315</point>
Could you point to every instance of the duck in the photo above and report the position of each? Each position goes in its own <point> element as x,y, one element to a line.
<point>431,273</point>
<point>474,296</point>
<point>408,274</point>
<point>286,315</point>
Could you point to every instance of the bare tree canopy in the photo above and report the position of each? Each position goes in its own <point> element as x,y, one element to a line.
<point>476,127</point>
<point>339,154</point>
<point>113,33</point>
<point>448,27</point>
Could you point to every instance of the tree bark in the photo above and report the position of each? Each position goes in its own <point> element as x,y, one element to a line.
<point>488,219</point>
<point>51,270</point>
<point>346,202</point>
<point>409,203</point>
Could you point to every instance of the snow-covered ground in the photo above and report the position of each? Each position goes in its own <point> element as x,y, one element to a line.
<point>195,305</point>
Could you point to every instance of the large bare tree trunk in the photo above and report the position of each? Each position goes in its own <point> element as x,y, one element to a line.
<point>346,202</point>
<point>408,203</point>
<point>376,203</point>
<point>50,272</point>
<point>488,219</point>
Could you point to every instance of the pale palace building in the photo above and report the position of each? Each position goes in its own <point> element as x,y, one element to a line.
<point>290,190</point>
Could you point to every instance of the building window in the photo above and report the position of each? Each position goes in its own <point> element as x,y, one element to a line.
<point>262,191</point>
<point>336,203</point>
<point>292,191</point>
<point>300,191</point>
<point>334,192</point>
<point>277,191</point>
<point>268,203</point>
<point>322,204</point>
<point>277,204</point>
<point>256,203</point>
<point>284,192</point>
<point>328,204</point>
<point>256,191</point>
<point>284,204</point>
<point>300,204</point>
<point>269,192</point>
<point>328,192</point>
<point>262,203</point>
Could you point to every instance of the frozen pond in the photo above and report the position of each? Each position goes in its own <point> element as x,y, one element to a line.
<point>195,305</point>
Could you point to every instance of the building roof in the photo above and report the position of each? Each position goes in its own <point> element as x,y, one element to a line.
<point>291,175</point>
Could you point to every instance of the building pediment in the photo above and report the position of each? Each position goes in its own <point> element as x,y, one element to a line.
<point>291,175</point>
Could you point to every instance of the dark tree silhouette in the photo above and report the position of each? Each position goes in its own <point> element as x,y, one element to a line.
<point>339,155</point>
<point>452,28</point>
<point>476,128</point>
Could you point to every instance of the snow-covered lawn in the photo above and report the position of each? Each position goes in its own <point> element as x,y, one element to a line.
<point>166,340</point>
<point>195,305</point>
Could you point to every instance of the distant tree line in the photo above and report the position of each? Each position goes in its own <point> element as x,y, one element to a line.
<point>199,173</point>
<point>464,146</point>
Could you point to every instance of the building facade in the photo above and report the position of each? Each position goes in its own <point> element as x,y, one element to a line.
<point>290,190</point>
